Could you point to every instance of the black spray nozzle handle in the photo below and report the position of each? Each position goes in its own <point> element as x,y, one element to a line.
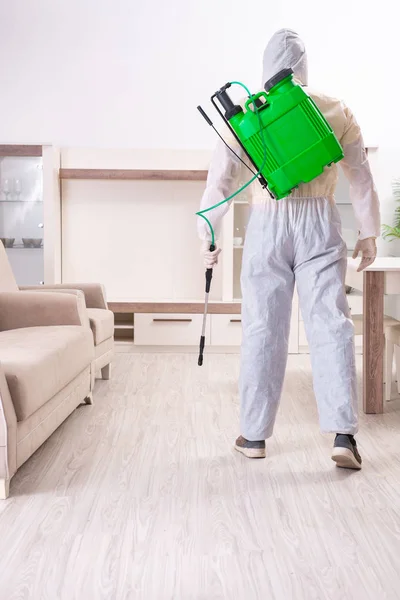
<point>205,115</point>
<point>202,344</point>
<point>209,272</point>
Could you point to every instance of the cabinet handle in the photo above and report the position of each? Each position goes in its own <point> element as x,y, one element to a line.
<point>235,320</point>
<point>172,320</point>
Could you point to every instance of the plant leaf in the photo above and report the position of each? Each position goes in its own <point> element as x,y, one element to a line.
<point>390,233</point>
<point>397,217</point>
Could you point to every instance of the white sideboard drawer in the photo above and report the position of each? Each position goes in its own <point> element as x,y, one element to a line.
<point>226,330</point>
<point>355,303</point>
<point>155,329</point>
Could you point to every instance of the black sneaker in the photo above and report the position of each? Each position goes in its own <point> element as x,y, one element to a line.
<point>250,449</point>
<point>345,453</point>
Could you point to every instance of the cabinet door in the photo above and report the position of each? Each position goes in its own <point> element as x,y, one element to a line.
<point>160,329</point>
<point>21,216</point>
<point>226,330</point>
<point>355,301</point>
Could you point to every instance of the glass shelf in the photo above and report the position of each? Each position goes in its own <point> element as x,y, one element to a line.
<point>21,201</point>
<point>24,248</point>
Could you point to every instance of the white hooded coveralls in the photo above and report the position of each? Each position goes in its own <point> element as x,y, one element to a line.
<point>297,240</point>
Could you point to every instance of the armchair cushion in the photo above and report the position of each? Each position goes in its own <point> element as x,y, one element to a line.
<point>38,362</point>
<point>101,323</point>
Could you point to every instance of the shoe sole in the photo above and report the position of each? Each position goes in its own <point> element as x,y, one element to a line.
<point>344,458</point>
<point>251,452</point>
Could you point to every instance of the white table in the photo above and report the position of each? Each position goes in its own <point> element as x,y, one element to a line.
<point>383,277</point>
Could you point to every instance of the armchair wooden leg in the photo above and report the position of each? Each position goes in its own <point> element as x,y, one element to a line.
<point>89,398</point>
<point>4,489</point>
<point>106,371</point>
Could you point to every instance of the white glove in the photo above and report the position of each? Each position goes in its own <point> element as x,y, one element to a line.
<point>210,258</point>
<point>367,248</point>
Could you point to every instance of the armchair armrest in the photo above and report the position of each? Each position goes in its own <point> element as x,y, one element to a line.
<point>33,309</point>
<point>8,432</point>
<point>95,295</point>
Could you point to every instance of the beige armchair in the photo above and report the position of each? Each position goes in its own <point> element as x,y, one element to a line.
<point>46,352</point>
<point>100,318</point>
<point>47,360</point>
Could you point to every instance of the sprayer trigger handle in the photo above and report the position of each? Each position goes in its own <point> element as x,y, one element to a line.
<point>209,274</point>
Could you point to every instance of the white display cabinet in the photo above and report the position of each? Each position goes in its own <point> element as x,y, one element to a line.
<point>22,216</point>
<point>29,207</point>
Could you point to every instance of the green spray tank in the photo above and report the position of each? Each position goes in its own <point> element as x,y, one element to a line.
<point>282,132</point>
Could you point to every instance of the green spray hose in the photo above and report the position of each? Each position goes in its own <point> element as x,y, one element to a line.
<point>201,213</point>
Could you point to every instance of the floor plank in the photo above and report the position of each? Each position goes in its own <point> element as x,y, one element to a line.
<point>142,496</point>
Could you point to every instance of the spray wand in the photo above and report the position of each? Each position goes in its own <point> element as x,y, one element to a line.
<point>221,94</point>
<point>209,274</point>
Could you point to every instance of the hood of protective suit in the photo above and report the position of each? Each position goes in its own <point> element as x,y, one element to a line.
<point>285,49</point>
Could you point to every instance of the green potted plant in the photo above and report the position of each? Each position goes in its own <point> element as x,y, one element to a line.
<point>391,233</point>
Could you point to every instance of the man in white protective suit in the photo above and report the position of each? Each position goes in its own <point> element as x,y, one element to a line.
<point>297,240</point>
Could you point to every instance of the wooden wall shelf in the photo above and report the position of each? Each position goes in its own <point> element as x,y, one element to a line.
<point>20,150</point>
<point>134,174</point>
<point>217,308</point>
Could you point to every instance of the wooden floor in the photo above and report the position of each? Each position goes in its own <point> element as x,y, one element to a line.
<point>142,497</point>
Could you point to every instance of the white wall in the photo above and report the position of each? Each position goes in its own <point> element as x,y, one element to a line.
<point>124,73</point>
<point>137,237</point>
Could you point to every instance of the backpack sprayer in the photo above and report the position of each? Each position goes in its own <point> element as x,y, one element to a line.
<point>284,136</point>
